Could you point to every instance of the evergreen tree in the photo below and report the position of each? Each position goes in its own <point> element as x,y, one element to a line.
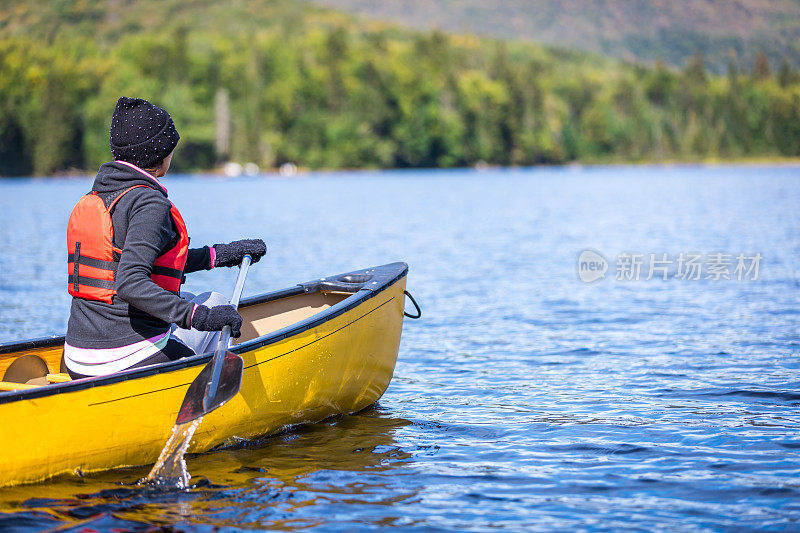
<point>786,76</point>
<point>761,70</point>
<point>696,68</point>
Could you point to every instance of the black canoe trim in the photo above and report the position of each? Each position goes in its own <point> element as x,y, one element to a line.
<point>363,284</point>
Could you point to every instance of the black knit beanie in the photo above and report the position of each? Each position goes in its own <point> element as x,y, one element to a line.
<point>141,133</point>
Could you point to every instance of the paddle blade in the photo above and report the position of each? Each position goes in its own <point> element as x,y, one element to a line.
<point>229,384</point>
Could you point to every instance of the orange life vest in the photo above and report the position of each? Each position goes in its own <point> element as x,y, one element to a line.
<point>92,258</point>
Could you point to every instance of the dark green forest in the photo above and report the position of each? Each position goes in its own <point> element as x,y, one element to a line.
<point>278,81</point>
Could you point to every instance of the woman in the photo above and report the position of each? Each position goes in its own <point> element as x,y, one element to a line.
<point>128,251</point>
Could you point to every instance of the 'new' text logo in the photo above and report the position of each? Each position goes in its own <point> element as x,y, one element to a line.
<point>591,266</point>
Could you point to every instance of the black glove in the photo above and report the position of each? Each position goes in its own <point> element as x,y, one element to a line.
<point>216,318</point>
<point>231,254</point>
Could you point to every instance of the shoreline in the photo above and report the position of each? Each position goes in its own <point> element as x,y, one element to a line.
<point>304,171</point>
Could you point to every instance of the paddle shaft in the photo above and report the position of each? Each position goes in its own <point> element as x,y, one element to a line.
<point>225,337</point>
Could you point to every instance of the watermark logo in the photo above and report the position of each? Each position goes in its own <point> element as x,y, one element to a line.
<point>591,266</point>
<point>686,266</point>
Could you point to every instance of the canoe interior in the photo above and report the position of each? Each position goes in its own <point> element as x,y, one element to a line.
<point>24,369</point>
<point>31,367</point>
<point>261,319</point>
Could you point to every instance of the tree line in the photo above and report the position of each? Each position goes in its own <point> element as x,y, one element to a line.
<point>337,96</point>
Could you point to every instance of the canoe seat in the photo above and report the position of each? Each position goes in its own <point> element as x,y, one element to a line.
<point>26,368</point>
<point>30,371</point>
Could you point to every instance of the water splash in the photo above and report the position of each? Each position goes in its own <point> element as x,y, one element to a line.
<point>170,470</point>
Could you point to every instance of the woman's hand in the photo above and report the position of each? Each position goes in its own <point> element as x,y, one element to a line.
<point>216,318</point>
<point>231,254</point>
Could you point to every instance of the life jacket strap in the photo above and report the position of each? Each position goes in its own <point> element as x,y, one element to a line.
<point>166,271</point>
<point>90,282</point>
<point>76,266</point>
<point>92,262</point>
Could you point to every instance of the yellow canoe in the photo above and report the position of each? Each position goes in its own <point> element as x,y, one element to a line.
<point>318,349</point>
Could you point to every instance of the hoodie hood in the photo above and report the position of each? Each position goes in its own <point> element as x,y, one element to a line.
<point>117,175</point>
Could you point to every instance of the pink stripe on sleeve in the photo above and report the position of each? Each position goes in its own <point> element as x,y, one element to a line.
<point>213,252</point>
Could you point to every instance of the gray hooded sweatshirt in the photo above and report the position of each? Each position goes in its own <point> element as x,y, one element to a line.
<point>143,230</point>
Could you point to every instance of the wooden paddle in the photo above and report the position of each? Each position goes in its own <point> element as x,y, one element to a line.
<point>221,379</point>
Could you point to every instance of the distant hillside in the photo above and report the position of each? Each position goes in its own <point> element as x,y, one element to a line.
<point>672,30</point>
<point>109,21</point>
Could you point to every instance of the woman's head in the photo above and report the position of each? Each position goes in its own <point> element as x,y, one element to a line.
<point>142,134</point>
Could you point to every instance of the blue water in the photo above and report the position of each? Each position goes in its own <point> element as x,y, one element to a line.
<point>524,399</point>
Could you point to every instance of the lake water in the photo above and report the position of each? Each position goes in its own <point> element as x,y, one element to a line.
<point>525,398</point>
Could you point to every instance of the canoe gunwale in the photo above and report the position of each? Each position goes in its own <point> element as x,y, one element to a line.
<point>379,279</point>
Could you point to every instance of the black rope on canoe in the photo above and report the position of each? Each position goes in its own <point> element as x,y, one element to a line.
<point>413,301</point>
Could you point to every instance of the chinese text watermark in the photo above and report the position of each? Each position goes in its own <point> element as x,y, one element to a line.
<point>687,266</point>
